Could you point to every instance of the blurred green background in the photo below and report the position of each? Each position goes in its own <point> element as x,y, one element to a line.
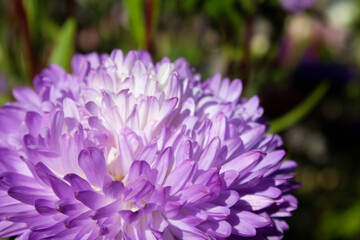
<point>303,65</point>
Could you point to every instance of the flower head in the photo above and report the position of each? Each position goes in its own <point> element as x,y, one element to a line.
<point>123,148</point>
<point>296,5</point>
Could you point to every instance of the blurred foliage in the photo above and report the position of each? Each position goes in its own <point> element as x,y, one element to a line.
<point>65,45</point>
<point>298,112</point>
<point>304,67</point>
<point>135,10</point>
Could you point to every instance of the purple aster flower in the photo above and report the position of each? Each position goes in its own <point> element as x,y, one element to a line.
<point>123,148</point>
<point>296,5</point>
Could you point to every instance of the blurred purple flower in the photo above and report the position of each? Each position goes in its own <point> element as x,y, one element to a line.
<point>296,5</point>
<point>125,149</point>
<point>3,83</point>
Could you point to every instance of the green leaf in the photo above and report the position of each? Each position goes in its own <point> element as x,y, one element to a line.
<point>300,111</point>
<point>249,6</point>
<point>341,224</point>
<point>65,44</point>
<point>32,8</point>
<point>135,9</point>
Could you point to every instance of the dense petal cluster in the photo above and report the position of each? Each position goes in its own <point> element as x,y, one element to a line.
<point>296,5</point>
<point>123,148</point>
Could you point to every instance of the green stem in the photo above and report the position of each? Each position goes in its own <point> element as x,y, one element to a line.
<point>300,111</point>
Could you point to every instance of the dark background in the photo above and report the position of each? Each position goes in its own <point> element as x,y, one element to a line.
<point>303,65</point>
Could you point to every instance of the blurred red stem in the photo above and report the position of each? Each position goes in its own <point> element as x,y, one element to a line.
<point>245,62</point>
<point>24,29</point>
<point>149,18</point>
<point>70,8</point>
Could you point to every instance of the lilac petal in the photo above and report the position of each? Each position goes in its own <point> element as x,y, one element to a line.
<point>60,188</point>
<point>13,209</point>
<point>195,194</point>
<point>93,59</point>
<point>39,222</point>
<point>10,161</point>
<point>41,232</point>
<point>209,154</point>
<point>229,177</point>
<point>163,163</point>
<point>57,123</point>
<point>164,72</point>
<point>216,212</point>
<point>129,60</point>
<point>159,195</point>
<point>168,235</point>
<point>257,202</point>
<point>107,211</point>
<point>184,152</point>
<point>244,162</point>
<point>138,189</point>
<point>251,106</point>
<point>213,83</point>
<point>180,175</point>
<point>26,194</point>
<point>126,154</point>
<point>251,137</point>
<point>130,216</point>
<point>171,209</point>
<point>145,57</point>
<point>185,231</point>
<point>79,66</point>
<point>137,169</point>
<point>270,160</point>
<point>211,179</point>
<point>113,189</point>
<point>96,123</point>
<point>32,120</point>
<point>148,154</point>
<point>227,198</point>
<point>92,162</point>
<point>92,107</point>
<point>117,56</point>
<point>255,220</point>
<point>24,235</point>
<point>26,95</point>
<point>224,87</point>
<point>249,180</point>
<point>219,127</point>
<point>287,167</point>
<point>235,90</point>
<point>244,229</point>
<point>193,216</point>
<point>70,109</point>
<point>158,222</point>
<point>77,183</point>
<point>67,233</point>
<point>9,121</point>
<point>270,192</point>
<point>45,207</point>
<point>78,220</point>
<point>281,225</point>
<point>69,208</point>
<point>8,229</point>
<point>90,199</point>
<point>25,216</point>
<point>11,179</point>
<point>218,229</point>
<point>139,70</point>
<point>84,233</point>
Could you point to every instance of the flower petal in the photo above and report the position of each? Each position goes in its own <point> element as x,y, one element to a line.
<point>92,162</point>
